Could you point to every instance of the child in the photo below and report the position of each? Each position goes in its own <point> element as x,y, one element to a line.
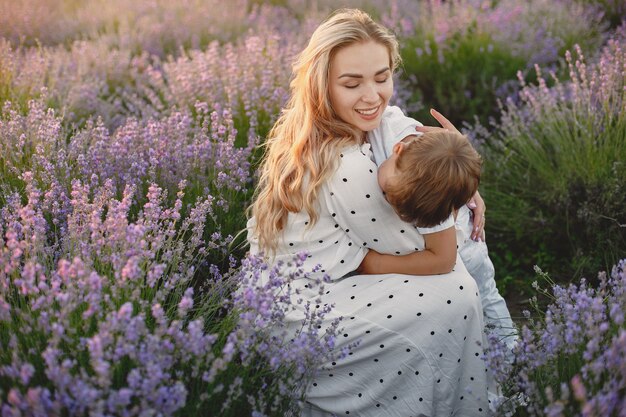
<point>428,179</point>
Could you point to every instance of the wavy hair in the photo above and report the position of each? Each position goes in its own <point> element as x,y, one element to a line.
<point>303,145</point>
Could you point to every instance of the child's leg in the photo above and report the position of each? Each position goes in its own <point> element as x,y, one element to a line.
<point>475,256</point>
<point>497,315</point>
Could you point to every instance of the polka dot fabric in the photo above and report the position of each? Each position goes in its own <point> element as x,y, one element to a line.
<point>417,354</point>
<point>419,337</point>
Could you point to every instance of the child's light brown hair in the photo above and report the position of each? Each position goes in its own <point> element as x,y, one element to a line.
<point>437,173</point>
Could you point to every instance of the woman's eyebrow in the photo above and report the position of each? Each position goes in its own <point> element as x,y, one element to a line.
<point>349,75</point>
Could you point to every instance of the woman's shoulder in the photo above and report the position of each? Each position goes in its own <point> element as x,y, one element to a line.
<point>356,150</point>
<point>355,156</point>
<point>355,166</point>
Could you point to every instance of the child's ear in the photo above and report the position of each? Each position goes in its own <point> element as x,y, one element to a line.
<point>398,148</point>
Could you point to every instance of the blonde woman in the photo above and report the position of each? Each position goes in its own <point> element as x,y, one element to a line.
<point>419,352</point>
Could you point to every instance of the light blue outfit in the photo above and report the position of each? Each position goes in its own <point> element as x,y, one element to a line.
<point>394,127</point>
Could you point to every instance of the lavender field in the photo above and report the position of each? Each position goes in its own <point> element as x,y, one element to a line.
<point>130,134</point>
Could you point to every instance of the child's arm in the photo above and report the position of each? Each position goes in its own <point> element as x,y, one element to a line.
<point>439,257</point>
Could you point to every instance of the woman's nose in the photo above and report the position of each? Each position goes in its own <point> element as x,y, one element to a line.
<point>370,94</point>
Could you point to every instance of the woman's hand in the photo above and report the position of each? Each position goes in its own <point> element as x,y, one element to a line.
<point>476,204</point>
<point>445,124</point>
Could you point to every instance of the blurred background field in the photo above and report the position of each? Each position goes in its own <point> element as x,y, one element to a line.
<point>129,137</point>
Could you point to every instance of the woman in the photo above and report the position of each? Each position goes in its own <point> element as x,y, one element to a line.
<point>419,336</point>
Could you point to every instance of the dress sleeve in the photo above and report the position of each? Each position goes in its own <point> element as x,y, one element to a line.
<point>359,208</point>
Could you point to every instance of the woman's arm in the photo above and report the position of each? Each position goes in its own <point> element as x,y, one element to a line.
<point>357,207</point>
<point>439,257</point>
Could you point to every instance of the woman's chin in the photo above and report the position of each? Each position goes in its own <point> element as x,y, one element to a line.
<point>368,125</point>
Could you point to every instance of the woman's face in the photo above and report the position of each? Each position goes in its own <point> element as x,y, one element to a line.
<point>360,84</point>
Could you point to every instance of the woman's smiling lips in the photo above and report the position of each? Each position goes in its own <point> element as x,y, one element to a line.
<point>368,114</point>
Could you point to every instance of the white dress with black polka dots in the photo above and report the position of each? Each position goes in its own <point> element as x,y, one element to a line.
<point>420,337</point>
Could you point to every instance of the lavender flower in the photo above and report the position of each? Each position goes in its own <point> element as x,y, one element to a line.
<point>128,140</point>
<point>569,363</point>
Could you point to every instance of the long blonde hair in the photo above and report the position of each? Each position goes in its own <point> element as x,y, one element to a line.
<point>304,144</point>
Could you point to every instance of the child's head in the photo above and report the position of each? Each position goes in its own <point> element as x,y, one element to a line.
<point>429,176</point>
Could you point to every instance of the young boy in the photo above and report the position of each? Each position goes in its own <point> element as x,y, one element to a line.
<point>428,179</point>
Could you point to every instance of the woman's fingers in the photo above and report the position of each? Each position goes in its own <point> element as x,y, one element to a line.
<point>425,129</point>
<point>477,205</point>
<point>478,233</point>
<point>445,123</point>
